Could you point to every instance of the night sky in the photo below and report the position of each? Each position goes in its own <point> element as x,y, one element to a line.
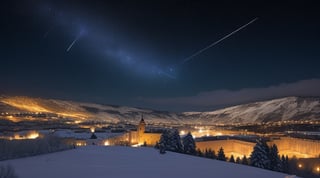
<point>131,52</point>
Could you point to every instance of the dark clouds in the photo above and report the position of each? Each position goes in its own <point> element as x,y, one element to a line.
<point>218,98</point>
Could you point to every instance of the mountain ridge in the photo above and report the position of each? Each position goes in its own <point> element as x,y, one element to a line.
<point>280,109</point>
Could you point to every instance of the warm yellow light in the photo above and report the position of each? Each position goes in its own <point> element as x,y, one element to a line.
<point>92,129</point>
<point>106,143</point>
<point>77,121</point>
<point>136,145</point>
<point>29,135</point>
<point>318,169</point>
<point>33,135</point>
<point>300,165</point>
<point>182,132</point>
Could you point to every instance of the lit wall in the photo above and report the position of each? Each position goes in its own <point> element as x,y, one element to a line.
<point>230,147</point>
<point>301,148</point>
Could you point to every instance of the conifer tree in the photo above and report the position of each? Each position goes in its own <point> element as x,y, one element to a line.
<point>238,160</point>
<point>162,148</point>
<point>231,160</point>
<point>260,155</point>
<point>175,141</point>
<point>275,162</point>
<point>156,146</point>
<point>245,160</point>
<point>199,153</point>
<point>221,155</point>
<point>164,141</point>
<point>210,154</point>
<point>285,164</point>
<point>189,145</point>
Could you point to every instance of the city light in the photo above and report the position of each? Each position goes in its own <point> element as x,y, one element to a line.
<point>92,129</point>
<point>106,143</point>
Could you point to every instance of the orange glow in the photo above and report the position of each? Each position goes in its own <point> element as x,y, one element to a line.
<point>29,135</point>
<point>92,129</point>
<point>318,169</point>
<point>35,105</point>
<point>300,165</point>
<point>32,135</point>
<point>106,143</point>
<point>81,144</point>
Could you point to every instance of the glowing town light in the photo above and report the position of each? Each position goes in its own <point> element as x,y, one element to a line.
<point>182,132</point>
<point>200,130</point>
<point>77,121</point>
<point>136,145</point>
<point>300,165</point>
<point>106,143</point>
<point>318,169</point>
<point>32,135</point>
<point>81,144</point>
<point>92,129</point>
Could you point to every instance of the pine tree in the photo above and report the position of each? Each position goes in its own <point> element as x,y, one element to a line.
<point>221,155</point>
<point>199,153</point>
<point>238,160</point>
<point>164,141</point>
<point>210,154</point>
<point>275,162</point>
<point>206,153</point>
<point>175,142</point>
<point>285,164</point>
<point>189,145</point>
<point>156,146</point>
<point>162,148</point>
<point>260,155</point>
<point>231,160</point>
<point>245,160</point>
<point>93,136</point>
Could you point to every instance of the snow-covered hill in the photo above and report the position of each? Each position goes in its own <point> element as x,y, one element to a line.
<point>124,162</point>
<point>289,108</point>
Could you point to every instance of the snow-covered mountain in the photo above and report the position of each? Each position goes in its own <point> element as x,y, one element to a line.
<point>289,108</point>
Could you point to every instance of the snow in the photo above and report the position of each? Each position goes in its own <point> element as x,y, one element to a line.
<point>123,162</point>
<point>66,133</point>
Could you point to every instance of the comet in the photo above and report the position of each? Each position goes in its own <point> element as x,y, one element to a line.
<point>73,42</point>
<point>217,42</point>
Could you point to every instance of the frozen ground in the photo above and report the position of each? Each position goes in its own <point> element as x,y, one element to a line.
<point>126,162</point>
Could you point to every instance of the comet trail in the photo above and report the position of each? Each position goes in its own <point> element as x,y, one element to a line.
<point>73,42</point>
<point>215,43</point>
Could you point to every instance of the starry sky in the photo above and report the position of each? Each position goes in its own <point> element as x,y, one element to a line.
<point>131,52</point>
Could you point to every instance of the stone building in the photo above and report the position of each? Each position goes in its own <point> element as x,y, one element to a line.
<point>140,136</point>
<point>136,137</point>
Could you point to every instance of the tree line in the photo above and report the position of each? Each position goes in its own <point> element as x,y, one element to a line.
<point>262,155</point>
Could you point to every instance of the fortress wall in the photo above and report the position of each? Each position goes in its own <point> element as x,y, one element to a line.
<point>297,147</point>
<point>231,147</point>
<point>150,138</point>
<point>118,139</point>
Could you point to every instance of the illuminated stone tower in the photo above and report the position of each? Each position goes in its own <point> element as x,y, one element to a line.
<point>141,130</point>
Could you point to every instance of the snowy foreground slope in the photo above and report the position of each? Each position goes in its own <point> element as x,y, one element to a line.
<point>124,162</point>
